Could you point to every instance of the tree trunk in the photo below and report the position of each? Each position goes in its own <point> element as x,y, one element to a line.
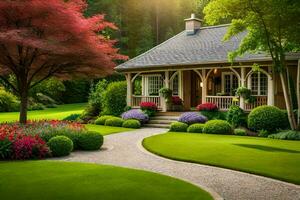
<point>298,93</point>
<point>24,105</point>
<point>288,101</point>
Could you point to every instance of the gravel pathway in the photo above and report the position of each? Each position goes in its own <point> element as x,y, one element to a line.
<point>125,149</point>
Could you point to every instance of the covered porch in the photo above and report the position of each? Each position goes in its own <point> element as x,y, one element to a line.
<point>201,85</point>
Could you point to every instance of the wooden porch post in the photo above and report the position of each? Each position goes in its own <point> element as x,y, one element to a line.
<point>243,84</point>
<point>129,89</point>
<point>167,85</point>
<point>204,85</point>
<point>298,91</point>
<point>270,87</point>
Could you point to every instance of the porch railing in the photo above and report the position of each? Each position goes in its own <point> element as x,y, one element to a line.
<point>223,102</point>
<point>136,100</point>
<point>260,101</point>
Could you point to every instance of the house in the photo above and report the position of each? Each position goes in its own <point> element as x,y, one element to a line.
<point>194,64</point>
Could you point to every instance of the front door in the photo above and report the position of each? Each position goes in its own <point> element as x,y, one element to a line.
<point>196,89</point>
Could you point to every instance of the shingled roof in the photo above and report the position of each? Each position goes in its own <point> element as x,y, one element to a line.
<point>204,47</point>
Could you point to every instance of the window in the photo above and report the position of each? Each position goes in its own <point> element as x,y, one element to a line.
<point>154,84</point>
<point>259,84</point>
<point>175,85</point>
<point>229,83</point>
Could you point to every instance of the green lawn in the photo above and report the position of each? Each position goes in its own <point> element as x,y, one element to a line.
<point>47,180</point>
<point>106,130</point>
<point>60,112</point>
<point>278,159</point>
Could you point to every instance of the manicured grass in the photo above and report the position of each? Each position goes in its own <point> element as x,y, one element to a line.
<point>58,113</point>
<point>47,180</point>
<point>106,130</point>
<point>278,159</point>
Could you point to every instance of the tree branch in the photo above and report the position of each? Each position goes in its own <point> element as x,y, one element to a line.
<point>9,83</point>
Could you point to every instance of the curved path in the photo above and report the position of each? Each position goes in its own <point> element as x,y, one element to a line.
<point>124,149</point>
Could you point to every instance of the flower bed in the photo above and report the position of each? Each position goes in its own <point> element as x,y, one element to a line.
<point>136,114</point>
<point>29,141</point>
<point>207,107</point>
<point>150,108</point>
<point>192,118</point>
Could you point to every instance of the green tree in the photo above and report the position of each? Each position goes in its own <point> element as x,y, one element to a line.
<point>270,26</point>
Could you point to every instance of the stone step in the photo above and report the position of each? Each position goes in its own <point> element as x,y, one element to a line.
<point>161,121</point>
<point>157,125</point>
<point>170,118</point>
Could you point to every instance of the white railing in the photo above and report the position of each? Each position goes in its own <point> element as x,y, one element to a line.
<point>136,100</point>
<point>223,102</point>
<point>260,101</point>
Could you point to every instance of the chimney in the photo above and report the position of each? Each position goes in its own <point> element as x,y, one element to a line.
<point>192,25</point>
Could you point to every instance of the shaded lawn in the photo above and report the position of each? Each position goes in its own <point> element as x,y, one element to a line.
<point>58,113</point>
<point>47,180</point>
<point>106,130</point>
<point>278,159</point>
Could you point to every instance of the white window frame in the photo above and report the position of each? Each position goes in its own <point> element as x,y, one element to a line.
<point>176,75</point>
<point>231,80</point>
<point>146,85</point>
<point>259,83</point>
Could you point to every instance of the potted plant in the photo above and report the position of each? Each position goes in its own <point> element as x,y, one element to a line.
<point>166,93</point>
<point>177,103</point>
<point>246,94</point>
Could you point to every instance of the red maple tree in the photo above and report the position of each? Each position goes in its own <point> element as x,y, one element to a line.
<point>40,39</point>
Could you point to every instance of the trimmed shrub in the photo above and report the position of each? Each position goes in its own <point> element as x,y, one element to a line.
<point>269,118</point>
<point>286,135</point>
<point>217,127</point>
<point>239,131</point>
<point>60,146</point>
<point>196,128</point>
<point>72,117</point>
<point>136,114</point>
<point>8,101</point>
<point>207,107</point>
<point>132,123</point>
<point>90,141</point>
<point>192,118</point>
<point>263,133</point>
<point>101,120</point>
<point>114,121</point>
<point>114,98</point>
<point>236,116</point>
<point>179,127</point>
<point>210,115</point>
<point>150,108</point>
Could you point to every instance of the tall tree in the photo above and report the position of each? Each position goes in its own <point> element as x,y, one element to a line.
<point>271,26</point>
<point>40,39</point>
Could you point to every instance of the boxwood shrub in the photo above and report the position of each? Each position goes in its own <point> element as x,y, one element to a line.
<point>132,123</point>
<point>240,131</point>
<point>269,118</point>
<point>101,120</point>
<point>114,121</point>
<point>179,127</point>
<point>90,141</point>
<point>217,127</point>
<point>60,146</point>
<point>195,128</point>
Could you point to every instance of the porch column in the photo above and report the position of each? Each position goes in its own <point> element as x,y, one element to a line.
<point>167,85</point>
<point>204,85</point>
<point>243,84</point>
<point>129,89</point>
<point>270,87</point>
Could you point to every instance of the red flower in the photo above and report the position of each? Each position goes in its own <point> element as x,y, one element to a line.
<point>148,106</point>
<point>176,100</point>
<point>207,107</point>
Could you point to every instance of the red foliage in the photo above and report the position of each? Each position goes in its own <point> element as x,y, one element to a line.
<point>176,100</point>
<point>148,106</point>
<point>207,107</point>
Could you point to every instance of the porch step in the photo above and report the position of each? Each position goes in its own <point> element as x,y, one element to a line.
<point>155,121</point>
<point>170,118</point>
<point>157,125</point>
<point>176,114</point>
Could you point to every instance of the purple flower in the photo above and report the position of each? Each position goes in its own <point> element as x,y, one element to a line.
<point>192,118</point>
<point>136,114</point>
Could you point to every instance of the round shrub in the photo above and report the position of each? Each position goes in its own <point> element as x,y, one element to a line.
<point>217,127</point>
<point>192,118</point>
<point>101,120</point>
<point>268,118</point>
<point>239,131</point>
<point>136,114</point>
<point>196,128</point>
<point>132,123</point>
<point>90,141</point>
<point>114,121</point>
<point>60,146</point>
<point>179,127</point>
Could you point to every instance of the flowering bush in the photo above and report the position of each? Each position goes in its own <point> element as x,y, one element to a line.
<point>136,114</point>
<point>149,108</point>
<point>192,118</point>
<point>207,107</point>
<point>176,100</point>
